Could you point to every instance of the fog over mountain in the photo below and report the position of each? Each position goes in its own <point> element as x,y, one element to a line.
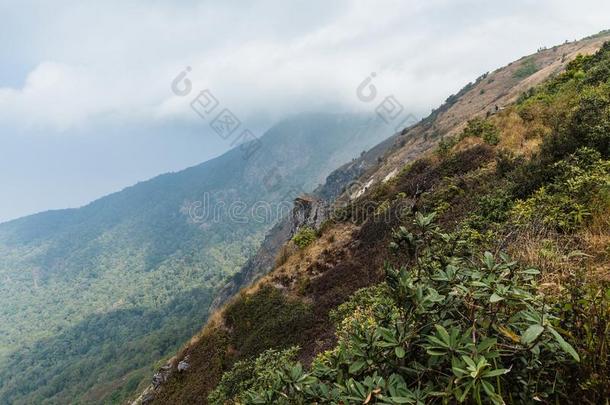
<point>85,88</point>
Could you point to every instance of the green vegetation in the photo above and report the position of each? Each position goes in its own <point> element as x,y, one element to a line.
<point>258,321</point>
<point>527,68</point>
<point>581,185</point>
<point>91,299</point>
<point>477,128</point>
<point>247,374</point>
<point>111,343</point>
<point>445,145</point>
<point>482,128</point>
<point>305,237</point>
<point>448,328</point>
<point>453,322</point>
<point>266,319</point>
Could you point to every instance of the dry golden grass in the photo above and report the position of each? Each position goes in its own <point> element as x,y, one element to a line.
<point>596,241</point>
<point>295,260</point>
<point>560,256</point>
<point>214,321</point>
<point>467,143</point>
<point>284,254</point>
<point>517,135</point>
<point>554,254</point>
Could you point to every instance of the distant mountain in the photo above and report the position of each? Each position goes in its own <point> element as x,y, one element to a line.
<point>90,298</point>
<point>341,179</point>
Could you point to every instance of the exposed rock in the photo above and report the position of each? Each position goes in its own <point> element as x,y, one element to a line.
<point>147,397</point>
<point>184,365</point>
<point>159,378</point>
<point>308,212</point>
<point>342,179</point>
<point>162,375</point>
<point>336,184</point>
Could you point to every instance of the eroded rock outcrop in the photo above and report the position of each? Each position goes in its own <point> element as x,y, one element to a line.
<point>308,212</point>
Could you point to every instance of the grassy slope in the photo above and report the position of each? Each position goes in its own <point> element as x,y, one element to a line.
<point>465,183</point>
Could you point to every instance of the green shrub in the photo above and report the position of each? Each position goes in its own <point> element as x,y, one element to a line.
<point>559,211</point>
<point>482,128</point>
<point>370,297</point>
<point>449,329</point>
<point>251,374</point>
<point>584,309</point>
<point>566,202</point>
<point>445,146</point>
<point>527,68</point>
<point>304,237</point>
<point>506,162</point>
<point>266,319</point>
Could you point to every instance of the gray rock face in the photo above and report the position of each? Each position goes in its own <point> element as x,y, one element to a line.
<point>183,365</point>
<point>161,376</point>
<point>308,212</point>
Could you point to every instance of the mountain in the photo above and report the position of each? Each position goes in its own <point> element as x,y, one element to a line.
<point>91,298</point>
<point>470,264</point>
<point>342,179</point>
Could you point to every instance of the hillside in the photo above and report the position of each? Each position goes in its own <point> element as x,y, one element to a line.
<point>473,264</point>
<point>91,298</point>
<point>342,179</point>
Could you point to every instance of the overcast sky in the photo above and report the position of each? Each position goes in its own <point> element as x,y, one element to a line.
<point>86,106</point>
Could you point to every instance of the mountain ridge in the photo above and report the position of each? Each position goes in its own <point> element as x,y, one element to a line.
<point>349,254</point>
<point>138,250</point>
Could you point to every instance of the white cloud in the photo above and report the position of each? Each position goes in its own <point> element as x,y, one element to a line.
<point>114,61</point>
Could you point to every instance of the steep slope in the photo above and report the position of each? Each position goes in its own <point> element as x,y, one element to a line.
<point>342,179</point>
<point>486,185</point>
<point>90,298</point>
<point>490,93</point>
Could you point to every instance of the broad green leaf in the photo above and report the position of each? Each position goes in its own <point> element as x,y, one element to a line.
<point>466,390</point>
<point>531,334</point>
<point>495,298</point>
<point>489,261</point>
<point>486,344</point>
<point>387,335</point>
<point>489,389</point>
<point>356,366</point>
<point>402,400</point>
<point>385,344</point>
<point>469,362</point>
<point>443,333</point>
<point>400,352</point>
<point>479,284</point>
<point>497,372</point>
<point>437,341</point>
<point>433,352</point>
<point>532,272</point>
<point>564,345</point>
